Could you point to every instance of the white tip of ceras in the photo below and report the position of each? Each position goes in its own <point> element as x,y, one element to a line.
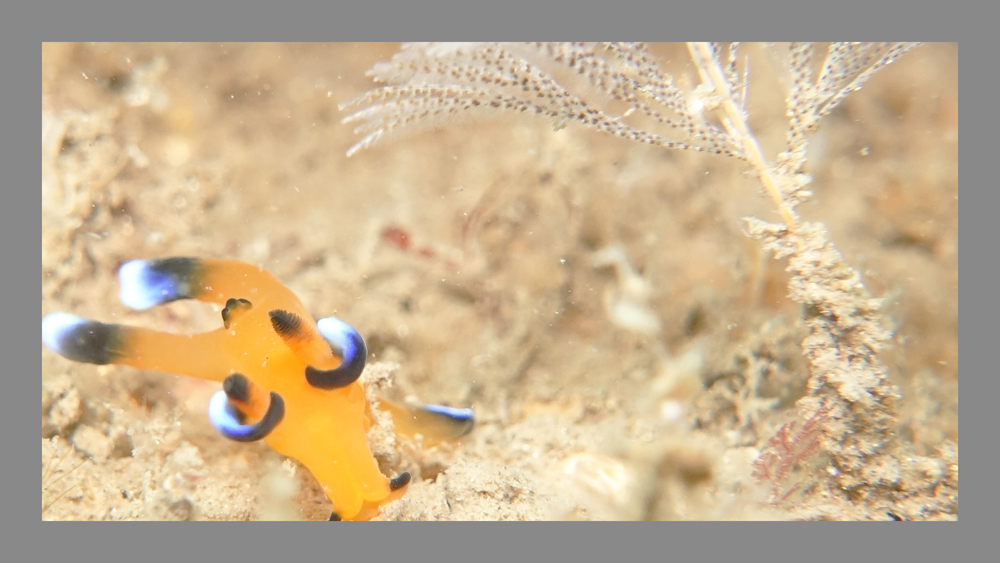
<point>143,287</point>
<point>58,328</point>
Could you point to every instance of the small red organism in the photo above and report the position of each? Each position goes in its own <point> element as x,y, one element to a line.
<point>397,237</point>
<point>792,446</point>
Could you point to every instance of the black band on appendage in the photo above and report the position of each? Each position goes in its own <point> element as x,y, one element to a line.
<point>274,415</point>
<point>346,373</point>
<point>180,268</point>
<point>92,342</point>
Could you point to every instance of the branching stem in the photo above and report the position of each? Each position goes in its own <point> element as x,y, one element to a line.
<point>713,75</point>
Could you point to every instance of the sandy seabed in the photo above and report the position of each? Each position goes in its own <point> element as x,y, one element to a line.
<point>495,264</point>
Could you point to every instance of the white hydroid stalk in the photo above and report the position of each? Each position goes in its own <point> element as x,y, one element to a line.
<point>712,75</point>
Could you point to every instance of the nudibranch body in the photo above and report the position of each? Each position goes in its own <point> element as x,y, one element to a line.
<point>298,379</point>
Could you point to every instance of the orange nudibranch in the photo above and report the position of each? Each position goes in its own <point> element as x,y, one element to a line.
<point>297,378</point>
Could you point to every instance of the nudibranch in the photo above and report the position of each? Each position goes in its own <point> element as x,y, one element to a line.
<point>286,379</point>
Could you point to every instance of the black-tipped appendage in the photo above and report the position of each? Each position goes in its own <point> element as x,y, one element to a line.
<point>400,481</point>
<point>82,340</point>
<point>287,325</point>
<point>237,387</point>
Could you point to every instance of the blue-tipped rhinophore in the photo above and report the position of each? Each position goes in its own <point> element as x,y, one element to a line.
<point>451,412</point>
<point>81,340</point>
<point>147,283</point>
<point>462,420</point>
<point>347,343</point>
<point>226,420</point>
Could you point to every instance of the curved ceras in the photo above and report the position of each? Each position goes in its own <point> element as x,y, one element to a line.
<point>297,379</point>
